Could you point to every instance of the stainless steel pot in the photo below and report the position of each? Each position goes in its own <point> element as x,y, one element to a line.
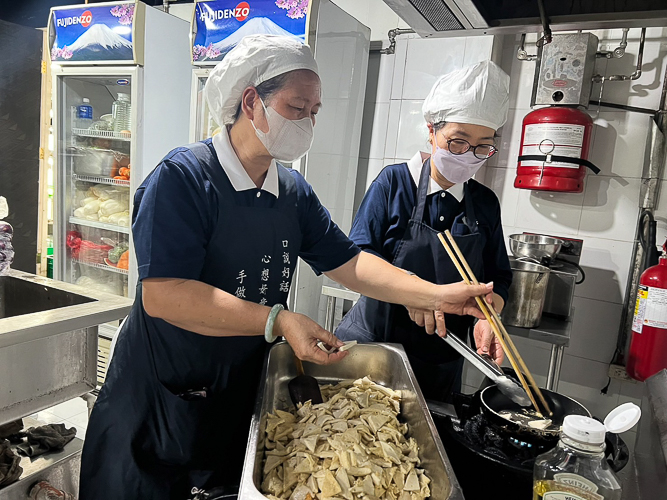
<point>526,295</point>
<point>534,246</point>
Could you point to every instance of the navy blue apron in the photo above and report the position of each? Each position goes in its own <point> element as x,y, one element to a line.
<point>175,409</point>
<point>436,365</point>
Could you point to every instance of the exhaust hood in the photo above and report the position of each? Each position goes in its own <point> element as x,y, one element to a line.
<point>441,18</point>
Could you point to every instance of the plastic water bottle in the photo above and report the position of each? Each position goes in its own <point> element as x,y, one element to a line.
<point>84,114</point>
<point>121,113</point>
<point>6,233</point>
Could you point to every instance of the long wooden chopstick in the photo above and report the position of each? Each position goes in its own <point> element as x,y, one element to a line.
<point>500,325</point>
<point>485,310</point>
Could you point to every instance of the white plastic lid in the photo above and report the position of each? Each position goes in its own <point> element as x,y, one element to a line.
<point>623,418</point>
<point>584,429</point>
<point>4,208</point>
<point>85,99</point>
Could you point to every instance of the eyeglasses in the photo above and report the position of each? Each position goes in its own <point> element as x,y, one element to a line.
<point>461,146</point>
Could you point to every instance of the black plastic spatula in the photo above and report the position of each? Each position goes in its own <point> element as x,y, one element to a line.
<point>303,388</point>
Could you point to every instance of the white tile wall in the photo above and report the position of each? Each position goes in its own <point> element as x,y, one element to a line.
<point>606,263</point>
<point>553,213</point>
<point>412,130</point>
<point>392,128</point>
<point>400,56</point>
<point>477,49</point>
<point>591,338</point>
<point>427,60</point>
<point>501,181</point>
<point>615,148</point>
<point>610,208</point>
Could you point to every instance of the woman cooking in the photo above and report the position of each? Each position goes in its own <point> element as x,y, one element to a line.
<point>217,228</point>
<point>409,204</point>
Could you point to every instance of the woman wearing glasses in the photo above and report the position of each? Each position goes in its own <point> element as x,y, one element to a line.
<point>408,204</point>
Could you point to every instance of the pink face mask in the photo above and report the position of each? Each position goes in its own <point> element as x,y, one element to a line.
<point>456,168</point>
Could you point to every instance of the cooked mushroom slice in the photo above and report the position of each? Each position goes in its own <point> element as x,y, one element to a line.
<point>330,486</point>
<point>353,437</point>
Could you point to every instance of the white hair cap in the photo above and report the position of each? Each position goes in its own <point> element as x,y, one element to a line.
<point>478,95</point>
<point>256,59</point>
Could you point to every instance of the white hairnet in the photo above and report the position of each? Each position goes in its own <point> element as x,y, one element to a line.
<point>256,59</point>
<point>478,95</point>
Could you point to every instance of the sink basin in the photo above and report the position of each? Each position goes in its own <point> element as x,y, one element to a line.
<point>48,341</point>
<point>20,296</point>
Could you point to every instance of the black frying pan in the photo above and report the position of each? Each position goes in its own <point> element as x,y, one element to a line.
<point>493,402</point>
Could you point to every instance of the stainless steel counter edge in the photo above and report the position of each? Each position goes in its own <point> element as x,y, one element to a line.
<point>28,327</point>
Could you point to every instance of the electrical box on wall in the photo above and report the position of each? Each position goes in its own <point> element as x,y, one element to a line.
<point>564,72</point>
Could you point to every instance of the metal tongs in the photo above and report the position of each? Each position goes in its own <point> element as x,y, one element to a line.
<point>508,386</point>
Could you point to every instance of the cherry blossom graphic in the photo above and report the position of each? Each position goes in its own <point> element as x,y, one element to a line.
<point>201,52</point>
<point>64,53</point>
<point>124,13</point>
<point>296,9</point>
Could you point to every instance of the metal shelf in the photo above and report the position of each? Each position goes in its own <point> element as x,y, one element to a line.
<point>102,266</point>
<point>99,225</point>
<point>101,180</point>
<point>102,134</point>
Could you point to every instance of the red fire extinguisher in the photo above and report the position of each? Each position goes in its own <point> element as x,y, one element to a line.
<point>553,155</point>
<point>648,347</point>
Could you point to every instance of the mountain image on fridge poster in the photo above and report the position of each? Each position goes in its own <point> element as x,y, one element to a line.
<point>93,34</point>
<point>255,26</point>
<point>222,24</point>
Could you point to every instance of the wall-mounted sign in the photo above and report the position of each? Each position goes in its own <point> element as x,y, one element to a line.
<point>99,32</point>
<point>220,24</point>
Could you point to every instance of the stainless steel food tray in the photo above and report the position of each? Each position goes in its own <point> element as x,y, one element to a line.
<point>386,364</point>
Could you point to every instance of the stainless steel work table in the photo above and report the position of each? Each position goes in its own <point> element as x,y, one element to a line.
<point>555,332</point>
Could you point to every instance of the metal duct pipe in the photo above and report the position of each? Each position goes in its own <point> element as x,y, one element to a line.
<point>392,34</point>
<point>638,71</point>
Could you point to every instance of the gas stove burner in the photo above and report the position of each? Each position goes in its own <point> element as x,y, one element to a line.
<point>474,444</point>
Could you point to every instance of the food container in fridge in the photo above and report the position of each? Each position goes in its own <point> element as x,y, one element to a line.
<point>385,364</point>
<point>100,162</point>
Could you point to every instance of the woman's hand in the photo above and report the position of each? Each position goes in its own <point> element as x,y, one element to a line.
<point>303,334</point>
<point>487,342</point>
<point>428,319</point>
<point>459,298</point>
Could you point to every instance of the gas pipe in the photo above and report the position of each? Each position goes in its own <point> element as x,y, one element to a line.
<point>648,347</point>
<point>553,155</point>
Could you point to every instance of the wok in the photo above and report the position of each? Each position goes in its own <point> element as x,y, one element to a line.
<point>492,402</point>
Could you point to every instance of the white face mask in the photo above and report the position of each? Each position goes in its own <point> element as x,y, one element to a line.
<point>287,140</point>
<point>456,168</point>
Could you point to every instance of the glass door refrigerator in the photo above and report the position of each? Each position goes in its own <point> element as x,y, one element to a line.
<point>119,73</point>
<point>340,45</point>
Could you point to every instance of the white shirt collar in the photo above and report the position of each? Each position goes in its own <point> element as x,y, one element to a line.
<point>415,165</point>
<point>237,175</point>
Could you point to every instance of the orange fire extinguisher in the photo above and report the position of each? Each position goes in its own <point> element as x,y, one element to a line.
<point>648,347</point>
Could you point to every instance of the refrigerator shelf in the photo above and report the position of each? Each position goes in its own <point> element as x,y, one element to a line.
<point>101,180</point>
<point>99,225</point>
<point>101,266</point>
<point>102,134</point>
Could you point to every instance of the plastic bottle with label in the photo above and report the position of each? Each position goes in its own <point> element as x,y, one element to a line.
<point>84,114</point>
<point>120,111</point>
<point>576,469</point>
